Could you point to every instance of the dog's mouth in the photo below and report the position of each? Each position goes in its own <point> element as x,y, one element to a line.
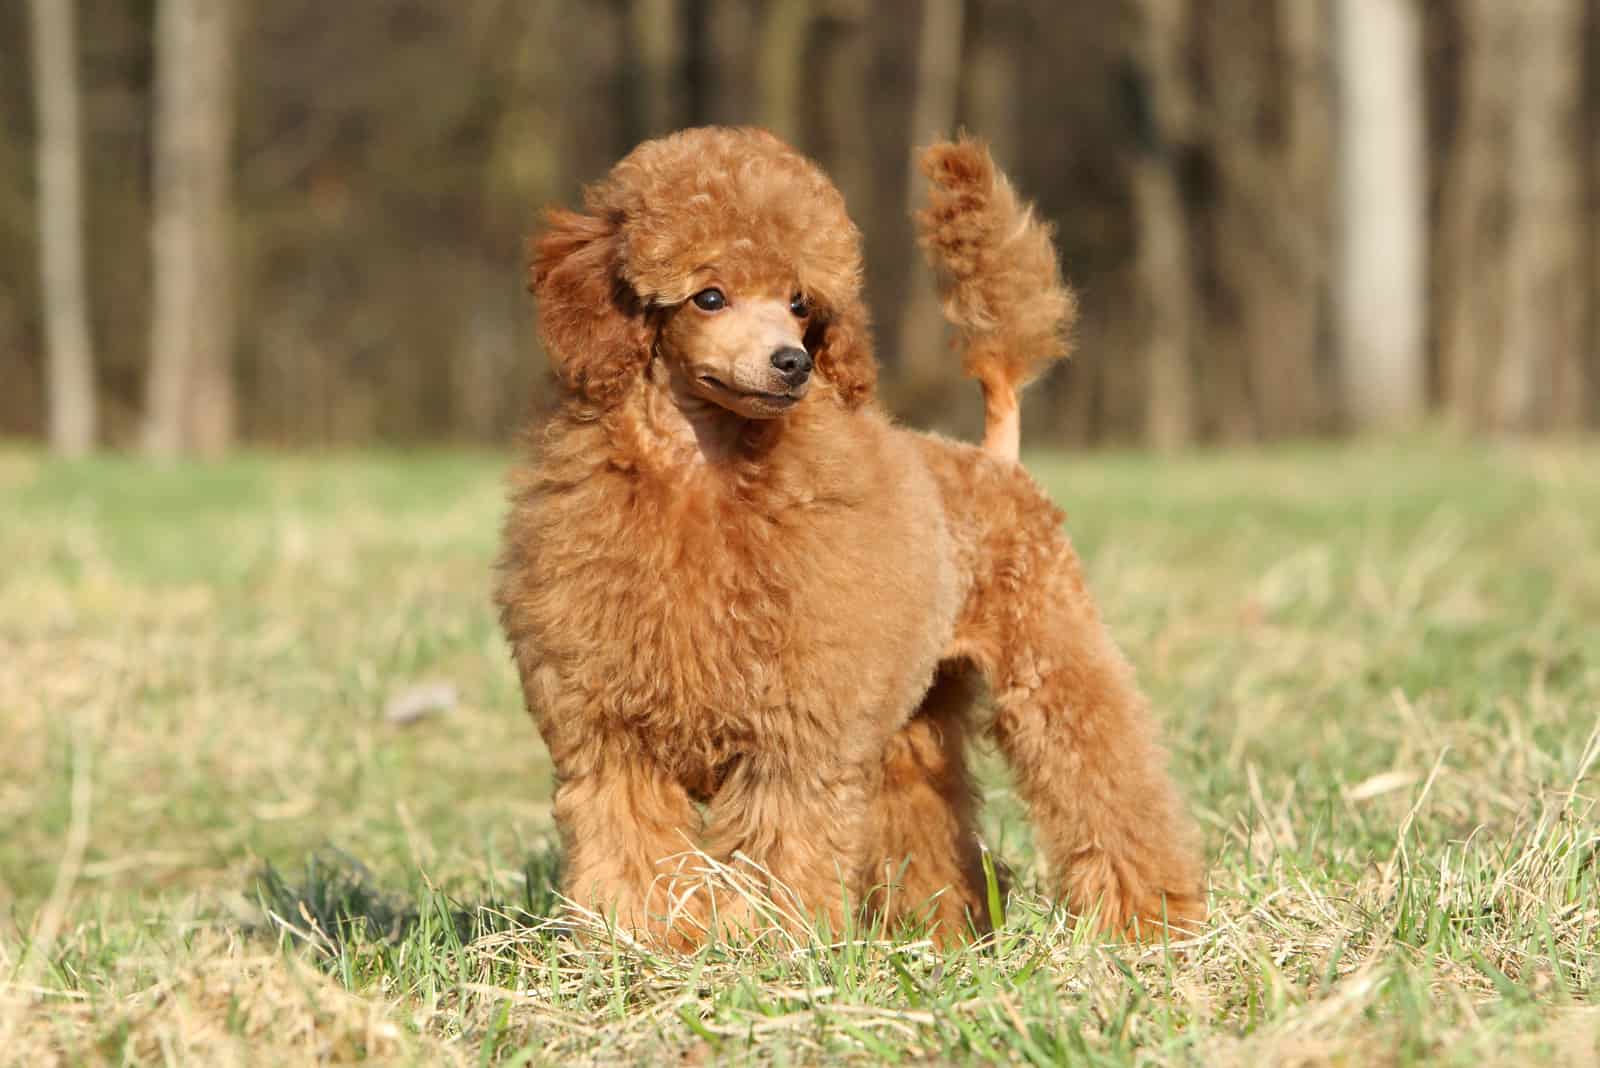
<point>776,401</point>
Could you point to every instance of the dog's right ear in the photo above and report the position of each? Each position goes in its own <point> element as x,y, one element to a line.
<point>591,321</point>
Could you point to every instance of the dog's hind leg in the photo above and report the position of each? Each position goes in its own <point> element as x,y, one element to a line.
<point>1077,733</point>
<point>927,861</point>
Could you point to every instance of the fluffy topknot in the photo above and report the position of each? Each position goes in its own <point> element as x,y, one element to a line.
<point>735,198</point>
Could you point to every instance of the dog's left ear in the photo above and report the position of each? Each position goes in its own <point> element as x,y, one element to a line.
<point>593,325</point>
<point>841,346</point>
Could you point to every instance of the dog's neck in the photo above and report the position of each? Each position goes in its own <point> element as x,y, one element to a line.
<point>678,427</point>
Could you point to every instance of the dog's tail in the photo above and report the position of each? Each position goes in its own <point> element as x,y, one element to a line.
<point>998,278</point>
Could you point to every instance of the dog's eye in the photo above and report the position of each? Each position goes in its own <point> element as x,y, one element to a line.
<point>799,306</point>
<point>710,300</point>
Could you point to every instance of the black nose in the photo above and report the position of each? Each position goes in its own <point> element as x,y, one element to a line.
<point>794,364</point>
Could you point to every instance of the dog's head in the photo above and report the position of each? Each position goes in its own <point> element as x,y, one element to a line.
<point>723,252</point>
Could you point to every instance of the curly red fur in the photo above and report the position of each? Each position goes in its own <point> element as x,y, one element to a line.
<point>799,619</point>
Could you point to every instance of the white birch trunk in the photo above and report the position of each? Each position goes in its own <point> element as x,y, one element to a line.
<point>1381,224</point>
<point>69,364</point>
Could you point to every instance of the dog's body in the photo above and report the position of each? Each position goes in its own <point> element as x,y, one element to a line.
<point>729,582</point>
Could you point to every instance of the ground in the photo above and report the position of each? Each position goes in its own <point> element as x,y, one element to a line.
<point>1378,664</point>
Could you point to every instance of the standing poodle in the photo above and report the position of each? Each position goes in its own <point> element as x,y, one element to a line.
<point>755,618</point>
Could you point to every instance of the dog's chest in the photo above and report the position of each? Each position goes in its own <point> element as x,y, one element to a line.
<point>704,628</point>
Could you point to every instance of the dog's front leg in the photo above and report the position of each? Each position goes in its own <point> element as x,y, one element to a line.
<point>627,828</point>
<point>792,831</point>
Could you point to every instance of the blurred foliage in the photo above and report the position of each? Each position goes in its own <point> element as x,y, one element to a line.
<point>391,157</point>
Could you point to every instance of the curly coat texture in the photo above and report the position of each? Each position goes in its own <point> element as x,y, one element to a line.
<point>771,640</point>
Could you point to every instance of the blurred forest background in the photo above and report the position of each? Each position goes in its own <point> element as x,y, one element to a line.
<point>301,222</point>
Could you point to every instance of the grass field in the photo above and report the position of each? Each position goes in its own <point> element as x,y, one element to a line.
<point>1378,664</point>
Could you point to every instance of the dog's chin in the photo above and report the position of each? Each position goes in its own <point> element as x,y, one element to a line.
<point>749,404</point>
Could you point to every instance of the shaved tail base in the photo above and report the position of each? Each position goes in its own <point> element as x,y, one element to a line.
<point>1002,420</point>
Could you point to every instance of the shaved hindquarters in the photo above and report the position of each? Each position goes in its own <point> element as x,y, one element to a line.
<point>1067,716</point>
<point>1081,742</point>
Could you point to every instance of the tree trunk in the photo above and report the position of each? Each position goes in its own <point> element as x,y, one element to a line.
<point>1382,220</point>
<point>1473,208</point>
<point>1297,389</point>
<point>189,396</point>
<point>1539,382</point>
<point>1241,217</point>
<point>990,88</point>
<point>780,75</point>
<point>924,360</point>
<point>836,115</point>
<point>657,28</point>
<point>1164,299</point>
<point>70,363</point>
<point>1591,95</point>
<point>731,34</point>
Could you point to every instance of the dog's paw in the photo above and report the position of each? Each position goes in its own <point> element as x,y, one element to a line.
<point>1126,903</point>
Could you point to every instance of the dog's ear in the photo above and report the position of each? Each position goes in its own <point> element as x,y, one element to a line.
<point>841,346</point>
<point>593,325</point>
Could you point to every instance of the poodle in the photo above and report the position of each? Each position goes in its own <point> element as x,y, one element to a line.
<point>756,620</point>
